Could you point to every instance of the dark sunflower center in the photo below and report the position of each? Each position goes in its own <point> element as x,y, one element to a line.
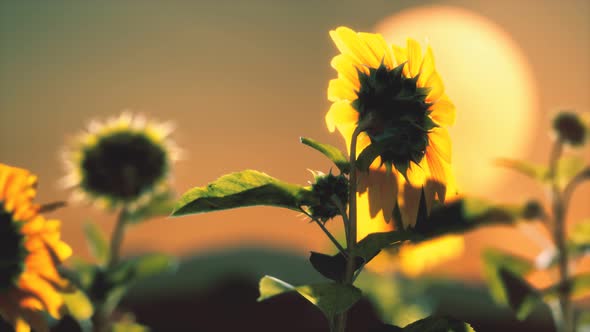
<point>123,165</point>
<point>400,112</point>
<point>12,250</point>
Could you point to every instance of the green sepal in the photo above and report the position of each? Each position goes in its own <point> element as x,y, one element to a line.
<point>332,152</point>
<point>242,189</point>
<point>494,260</point>
<point>330,298</point>
<point>97,243</point>
<point>368,155</point>
<point>438,324</point>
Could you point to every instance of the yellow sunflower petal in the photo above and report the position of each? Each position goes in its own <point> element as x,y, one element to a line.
<point>378,47</point>
<point>409,203</point>
<point>382,193</point>
<point>362,142</point>
<point>44,291</point>
<point>427,67</point>
<point>443,111</point>
<point>437,88</point>
<point>346,69</point>
<point>400,54</point>
<point>340,89</point>
<point>440,141</point>
<point>348,42</point>
<point>414,57</point>
<point>341,113</point>
<point>417,258</point>
<point>21,326</point>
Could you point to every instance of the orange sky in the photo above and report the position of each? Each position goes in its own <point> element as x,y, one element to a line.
<point>242,81</point>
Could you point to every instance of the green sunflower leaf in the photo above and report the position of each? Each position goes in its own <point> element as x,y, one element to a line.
<point>242,189</point>
<point>81,274</point>
<point>494,261</point>
<point>438,324</point>
<point>534,171</point>
<point>583,321</point>
<point>578,245</point>
<point>467,214</point>
<point>97,242</point>
<point>581,233</point>
<point>332,152</point>
<point>330,298</point>
<point>372,244</point>
<point>567,168</point>
<point>579,287</point>
<point>129,327</point>
<point>142,267</point>
<point>457,217</point>
<point>386,328</point>
<point>520,295</point>
<point>332,267</point>
<point>161,205</point>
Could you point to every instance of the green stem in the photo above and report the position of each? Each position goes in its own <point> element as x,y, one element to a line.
<point>559,236</point>
<point>117,238</point>
<point>343,213</point>
<point>340,322</point>
<point>101,317</point>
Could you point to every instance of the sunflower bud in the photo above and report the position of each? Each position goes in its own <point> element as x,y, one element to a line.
<point>569,128</point>
<point>324,189</point>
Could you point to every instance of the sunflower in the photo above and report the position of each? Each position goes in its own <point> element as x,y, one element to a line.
<point>401,92</point>
<point>30,249</point>
<point>123,162</point>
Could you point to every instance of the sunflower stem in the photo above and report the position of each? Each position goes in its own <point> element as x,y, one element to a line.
<point>343,213</point>
<point>340,320</point>
<point>101,319</point>
<point>559,236</point>
<point>117,238</point>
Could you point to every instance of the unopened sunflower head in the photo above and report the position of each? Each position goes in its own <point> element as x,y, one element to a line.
<point>30,250</point>
<point>331,195</point>
<point>122,162</point>
<point>572,128</point>
<point>399,97</point>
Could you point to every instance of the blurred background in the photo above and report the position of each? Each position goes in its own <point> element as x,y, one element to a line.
<point>243,81</point>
